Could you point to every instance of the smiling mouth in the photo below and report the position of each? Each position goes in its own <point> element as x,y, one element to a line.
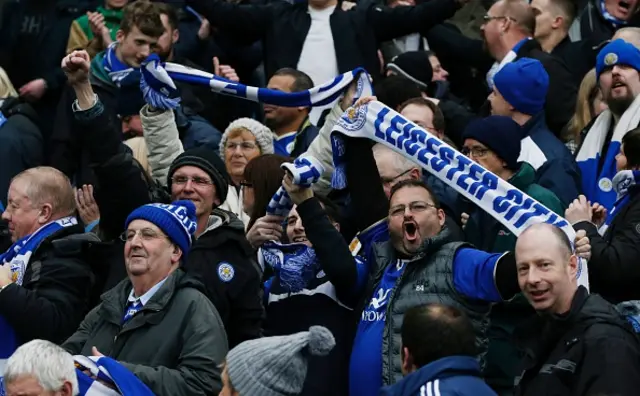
<point>300,239</point>
<point>538,294</point>
<point>624,5</point>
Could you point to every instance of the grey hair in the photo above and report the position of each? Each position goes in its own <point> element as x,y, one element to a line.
<point>49,364</point>
<point>47,185</point>
<point>400,163</point>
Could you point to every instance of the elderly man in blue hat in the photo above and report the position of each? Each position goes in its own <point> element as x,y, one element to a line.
<point>158,323</point>
<point>519,92</point>
<point>617,68</point>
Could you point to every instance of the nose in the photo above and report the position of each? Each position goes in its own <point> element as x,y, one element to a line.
<point>297,226</point>
<point>6,216</point>
<point>188,186</point>
<point>237,150</point>
<point>144,52</point>
<point>136,241</point>
<point>533,277</point>
<point>445,73</point>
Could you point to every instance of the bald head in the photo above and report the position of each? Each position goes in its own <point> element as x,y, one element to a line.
<point>629,34</point>
<point>46,185</point>
<point>545,234</point>
<point>520,11</point>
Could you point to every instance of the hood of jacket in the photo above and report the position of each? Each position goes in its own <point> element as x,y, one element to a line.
<point>222,218</point>
<point>451,366</point>
<point>98,75</point>
<point>14,106</point>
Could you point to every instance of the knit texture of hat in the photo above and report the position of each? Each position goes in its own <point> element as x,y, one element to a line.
<point>207,160</point>
<point>414,65</point>
<point>276,366</point>
<point>263,135</point>
<point>177,220</point>
<point>524,85</point>
<point>502,135</point>
<point>617,52</point>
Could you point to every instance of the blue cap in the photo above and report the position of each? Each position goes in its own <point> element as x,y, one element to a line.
<point>617,52</point>
<point>524,85</point>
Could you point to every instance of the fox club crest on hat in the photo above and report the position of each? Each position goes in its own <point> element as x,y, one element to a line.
<point>617,52</point>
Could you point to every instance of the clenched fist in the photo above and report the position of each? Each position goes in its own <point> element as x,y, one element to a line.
<point>76,67</point>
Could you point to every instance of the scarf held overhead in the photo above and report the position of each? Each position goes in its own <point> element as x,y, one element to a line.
<point>160,91</point>
<point>510,206</point>
<point>590,155</point>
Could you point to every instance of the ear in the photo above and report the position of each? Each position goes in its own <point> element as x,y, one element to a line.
<point>67,389</point>
<point>415,174</point>
<point>336,225</point>
<point>407,361</point>
<point>45,214</point>
<point>175,36</point>
<point>441,217</point>
<point>573,266</point>
<point>120,35</point>
<point>557,22</point>
<point>176,254</point>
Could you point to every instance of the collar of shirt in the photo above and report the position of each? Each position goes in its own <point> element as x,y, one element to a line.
<point>144,299</point>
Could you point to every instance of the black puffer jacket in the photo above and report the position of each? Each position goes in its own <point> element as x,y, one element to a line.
<point>591,350</point>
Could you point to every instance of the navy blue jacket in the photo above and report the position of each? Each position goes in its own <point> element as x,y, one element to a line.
<point>453,375</point>
<point>555,167</point>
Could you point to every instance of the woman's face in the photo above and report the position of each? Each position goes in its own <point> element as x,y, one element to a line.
<point>240,148</point>
<point>598,105</point>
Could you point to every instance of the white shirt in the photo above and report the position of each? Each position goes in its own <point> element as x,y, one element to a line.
<point>144,299</point>
<point>318,56</point>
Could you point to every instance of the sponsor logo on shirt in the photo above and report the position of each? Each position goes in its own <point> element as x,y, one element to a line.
<point>375,311</point>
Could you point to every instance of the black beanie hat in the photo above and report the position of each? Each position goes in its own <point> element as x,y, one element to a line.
<point>207,160</point>
<point>414,65</point>
<point>500,134</point>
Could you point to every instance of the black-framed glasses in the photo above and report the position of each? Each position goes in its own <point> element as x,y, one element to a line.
<point>387,181</point>
<point>146,234</point>
<point>414,207</point>
<point>476,152</point>
<point>488,18</point>
<point>200,181</point>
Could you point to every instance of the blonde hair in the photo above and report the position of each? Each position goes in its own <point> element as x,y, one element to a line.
<point>6,87</point>
<point>140,152</point>
<point>584,107</point>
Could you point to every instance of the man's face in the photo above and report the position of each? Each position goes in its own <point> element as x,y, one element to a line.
<point>493,27</point>
<point>22,216</point>
<point>390,175</point>
<point>621,9</point>
<point>546,272</point>
<point>148,251</point>
<point>620,85</point>
<point>422,116</point>
<point>439,73</point>
<point>194,184</point>
<point>481,154</point>
<point>499,106</point>
<point>135,47</point>
<point>413,219</point>
<point>164,46</point>
<point>277,116</point>
<point>545,18</point>
<point>295,229</point>
<point>29,386</point>
<point>132,124</point>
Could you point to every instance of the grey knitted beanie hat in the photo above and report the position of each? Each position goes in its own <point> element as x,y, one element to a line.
<point>264,136</point>
<point>276,366</point>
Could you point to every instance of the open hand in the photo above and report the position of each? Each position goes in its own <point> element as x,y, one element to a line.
<point>33,90</point>
<point>87,206</point>
<point>76,67</point>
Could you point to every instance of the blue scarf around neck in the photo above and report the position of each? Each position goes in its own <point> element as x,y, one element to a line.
<point>119,72</point>
<point>623,182</point>
<point>295,264</point>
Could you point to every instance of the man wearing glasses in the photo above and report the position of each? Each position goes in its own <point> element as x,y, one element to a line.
<point>158,323</point>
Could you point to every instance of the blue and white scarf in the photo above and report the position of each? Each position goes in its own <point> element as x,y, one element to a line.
<point>617,23</point>
<point>511,207</point>
<point>17,257</point>
<point>622,183</point>
<point>305,170</point>
<point>120,73</point>
<point>597,186</point>
<point>295,264</point>
<point>105,370</point>
<point>160,91</point>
